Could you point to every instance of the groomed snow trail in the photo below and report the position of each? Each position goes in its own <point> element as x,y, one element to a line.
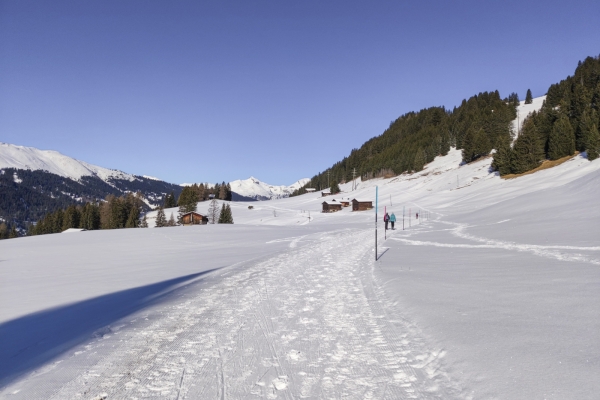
<point>307,323</point>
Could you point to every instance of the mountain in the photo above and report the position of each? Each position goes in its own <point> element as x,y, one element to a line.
<point>34,182</point>
<point>252,189</point>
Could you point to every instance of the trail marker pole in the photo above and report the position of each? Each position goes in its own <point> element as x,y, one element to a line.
<point>376,204</point>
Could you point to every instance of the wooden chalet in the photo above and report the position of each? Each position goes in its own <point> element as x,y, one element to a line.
<point>361,205</point>
<point>193,218</point>
<point>325,193</point>
<point>331,206</point>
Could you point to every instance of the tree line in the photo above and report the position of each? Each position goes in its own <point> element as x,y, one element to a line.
<point>568,121</point>
<point>113,213</point>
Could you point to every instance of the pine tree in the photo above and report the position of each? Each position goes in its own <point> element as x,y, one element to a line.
<point>133,220</point>
<point>13,233</point>
<point>229,215</point>
<point>144,223</point>
<point>420,160</point>
<point>213,211</point>
<point>592,144</point>
<point>170,200</point>
<point>528,150</point>
<point>161,220</point>
<point>171,221</point>
<point>335,188</point>
<point>502,156</point>
<point>561,142</point>
<point>528,97</point>
<point>222,216</point>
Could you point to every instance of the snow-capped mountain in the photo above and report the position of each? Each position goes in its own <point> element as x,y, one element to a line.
<point>30,158</point>
<point>33,181</point>
<point>254,189</point>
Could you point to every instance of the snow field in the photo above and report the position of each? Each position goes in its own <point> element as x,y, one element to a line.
<point>496,296</point>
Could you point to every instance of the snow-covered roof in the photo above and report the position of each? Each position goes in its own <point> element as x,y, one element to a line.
<point>332,202</point>
<point>73,230</point>
<point>363,200</point>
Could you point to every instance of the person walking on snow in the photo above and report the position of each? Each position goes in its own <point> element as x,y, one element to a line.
<point>393,220</point>
<point>386,219</point>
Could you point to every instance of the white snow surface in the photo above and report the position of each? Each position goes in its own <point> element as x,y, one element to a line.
<point>21,157</point>
<point>524,110</point>
<point>256,189</point>
<point>495,295</point>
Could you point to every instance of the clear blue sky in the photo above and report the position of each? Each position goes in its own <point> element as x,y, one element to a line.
<point>221,90</point>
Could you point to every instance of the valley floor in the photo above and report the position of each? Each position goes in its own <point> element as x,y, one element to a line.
<point>497,295</point>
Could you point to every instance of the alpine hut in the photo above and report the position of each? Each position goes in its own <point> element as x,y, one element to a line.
<point>193,218</point>
<point>361,205</point>
<point>331,206</point>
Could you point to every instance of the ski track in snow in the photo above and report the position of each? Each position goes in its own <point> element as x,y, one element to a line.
<point>551,251</point>
<point>308,323</point>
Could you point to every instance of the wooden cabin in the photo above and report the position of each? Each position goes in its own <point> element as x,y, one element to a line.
<point>325,193</point>
<point>361,205</point>
<point>193,218</point>
<point>331,206</point>
<point>310,190</point>
<point>345,203</point>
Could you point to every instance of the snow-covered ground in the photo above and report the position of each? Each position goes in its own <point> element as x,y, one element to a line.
<point>497,295</point>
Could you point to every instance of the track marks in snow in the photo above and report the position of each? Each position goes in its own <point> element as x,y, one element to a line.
<point>308,323</point>
<point>564,253</point>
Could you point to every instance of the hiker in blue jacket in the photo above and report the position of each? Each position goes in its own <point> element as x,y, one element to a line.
<point>393,220</point>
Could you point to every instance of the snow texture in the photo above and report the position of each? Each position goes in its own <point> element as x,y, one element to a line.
<point>495,295</point>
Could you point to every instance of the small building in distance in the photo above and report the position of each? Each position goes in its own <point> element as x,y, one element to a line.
<point>325,193</point>
<point>361,205</point>
<point>331,206</point>
<point>310,190</point>
<point>193,218</point>
<point>345,202</point>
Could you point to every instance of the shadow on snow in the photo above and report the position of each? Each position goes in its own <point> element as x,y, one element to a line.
<point>30,341</point>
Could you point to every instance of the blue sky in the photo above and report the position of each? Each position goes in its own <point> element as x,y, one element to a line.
<point>221,90</point>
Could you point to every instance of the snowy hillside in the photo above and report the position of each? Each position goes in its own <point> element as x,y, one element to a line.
<point>499,284</point>
<point>524,110</point>
<point>21,157</point>
<point>252,188</point>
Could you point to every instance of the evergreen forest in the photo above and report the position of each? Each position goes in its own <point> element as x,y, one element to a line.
<point>568,121</point>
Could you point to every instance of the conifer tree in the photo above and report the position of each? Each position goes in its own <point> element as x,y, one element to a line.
<point>592,145</point>
<point>528,97</point>
<point>225,217</point>
<point>528,150</point>
<point>171,221</point>
<point>170,200</point>
<point>420,160</point>
<point>133,219</point>
<point>3,231</point>
<point>502,156</point>
<point>144,223</point>
<point>335,188</point>
<point>222,215</point>
<point>13,233</point>
<point>161,220</point>
<point>561,142</point>
<point>213,212</point>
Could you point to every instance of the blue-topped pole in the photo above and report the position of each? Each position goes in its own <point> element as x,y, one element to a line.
<point>376,205</point>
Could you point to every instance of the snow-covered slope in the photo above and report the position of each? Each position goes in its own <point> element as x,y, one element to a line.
<point>524,110</point>
<point>21,157</point>
<point>499,284</point>
<point>254,189</point>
